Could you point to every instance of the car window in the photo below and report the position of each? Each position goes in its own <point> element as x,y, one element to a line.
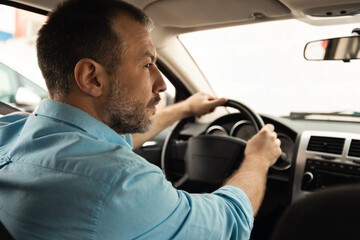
<point>6,83</point>
<point>18,62</point>
<point>26,83</point>
<point>263,66</point>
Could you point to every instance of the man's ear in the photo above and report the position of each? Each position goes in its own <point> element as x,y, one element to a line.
<point>90,77</point>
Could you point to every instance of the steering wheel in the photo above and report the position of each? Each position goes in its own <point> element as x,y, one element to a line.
<point>204,161</point>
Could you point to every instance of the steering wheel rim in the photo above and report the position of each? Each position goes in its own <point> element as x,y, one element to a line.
<point>253,116</point>
<point>205,140</point>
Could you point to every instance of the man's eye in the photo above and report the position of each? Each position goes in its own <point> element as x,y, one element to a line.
<point>148,65</point>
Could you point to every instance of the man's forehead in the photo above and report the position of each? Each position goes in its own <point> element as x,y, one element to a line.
<point>125,24</point>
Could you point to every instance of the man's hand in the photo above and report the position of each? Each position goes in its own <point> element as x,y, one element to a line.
<point>201,103</point>
<point>261,152</point>
<point>264,146</point>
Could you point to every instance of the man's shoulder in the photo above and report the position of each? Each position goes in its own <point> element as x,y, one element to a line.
<point>85,156</point>
<point>52,146</point>
<point>13,117</point>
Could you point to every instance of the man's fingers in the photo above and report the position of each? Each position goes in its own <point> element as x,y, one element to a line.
<point>274,135</point>
<point>278,142</point>
<point>270,127</point>
<point>217,102</point>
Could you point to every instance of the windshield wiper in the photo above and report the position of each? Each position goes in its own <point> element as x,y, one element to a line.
<point>349,116</point>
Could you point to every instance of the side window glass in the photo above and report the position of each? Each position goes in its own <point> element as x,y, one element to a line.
<point>26,83</point>
<point>21,83</point>
<point>6,90</point>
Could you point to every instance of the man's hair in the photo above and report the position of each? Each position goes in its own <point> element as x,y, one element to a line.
<point>79,29</point>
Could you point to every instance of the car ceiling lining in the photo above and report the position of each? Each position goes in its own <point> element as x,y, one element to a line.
<point>197,14</point>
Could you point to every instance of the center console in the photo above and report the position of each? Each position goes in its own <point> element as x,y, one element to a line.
<point>325,159</point>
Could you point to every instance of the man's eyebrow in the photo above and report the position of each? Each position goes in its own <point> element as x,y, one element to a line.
<point>150,55</point>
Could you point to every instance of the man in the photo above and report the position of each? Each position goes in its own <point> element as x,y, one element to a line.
<point>68,171</point>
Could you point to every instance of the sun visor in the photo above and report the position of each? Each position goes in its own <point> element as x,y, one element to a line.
<point>191,13</point>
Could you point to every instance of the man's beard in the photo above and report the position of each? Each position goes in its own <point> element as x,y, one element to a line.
<point>125,116</point>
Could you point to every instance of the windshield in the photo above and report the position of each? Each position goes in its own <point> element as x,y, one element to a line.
<point>262,65</point>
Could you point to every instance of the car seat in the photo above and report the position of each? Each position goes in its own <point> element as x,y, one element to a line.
<point>332,213</point>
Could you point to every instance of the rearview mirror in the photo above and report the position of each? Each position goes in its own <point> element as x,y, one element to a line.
<point>343,48</point>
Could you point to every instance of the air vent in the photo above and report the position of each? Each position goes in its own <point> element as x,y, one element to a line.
<point>326,144</point>
<point>354,150</point>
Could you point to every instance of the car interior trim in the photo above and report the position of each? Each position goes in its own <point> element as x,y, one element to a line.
<point>238,124</point>
<point>314,169</point>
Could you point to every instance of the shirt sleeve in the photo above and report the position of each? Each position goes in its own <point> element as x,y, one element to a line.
<point>142,204</point>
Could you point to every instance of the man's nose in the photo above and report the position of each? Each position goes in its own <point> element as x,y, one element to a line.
<point>159,83</point>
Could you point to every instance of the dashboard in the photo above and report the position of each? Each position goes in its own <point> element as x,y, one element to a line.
<point>233,125</point>
<point>304,168</point>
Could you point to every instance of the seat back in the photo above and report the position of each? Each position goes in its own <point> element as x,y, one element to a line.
<point>4,234</point>
<point>333,213</point>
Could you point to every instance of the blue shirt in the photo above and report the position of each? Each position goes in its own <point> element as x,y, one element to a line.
<point>66,175</point>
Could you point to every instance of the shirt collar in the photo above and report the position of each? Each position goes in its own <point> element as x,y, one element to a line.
<point>80,119</point>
